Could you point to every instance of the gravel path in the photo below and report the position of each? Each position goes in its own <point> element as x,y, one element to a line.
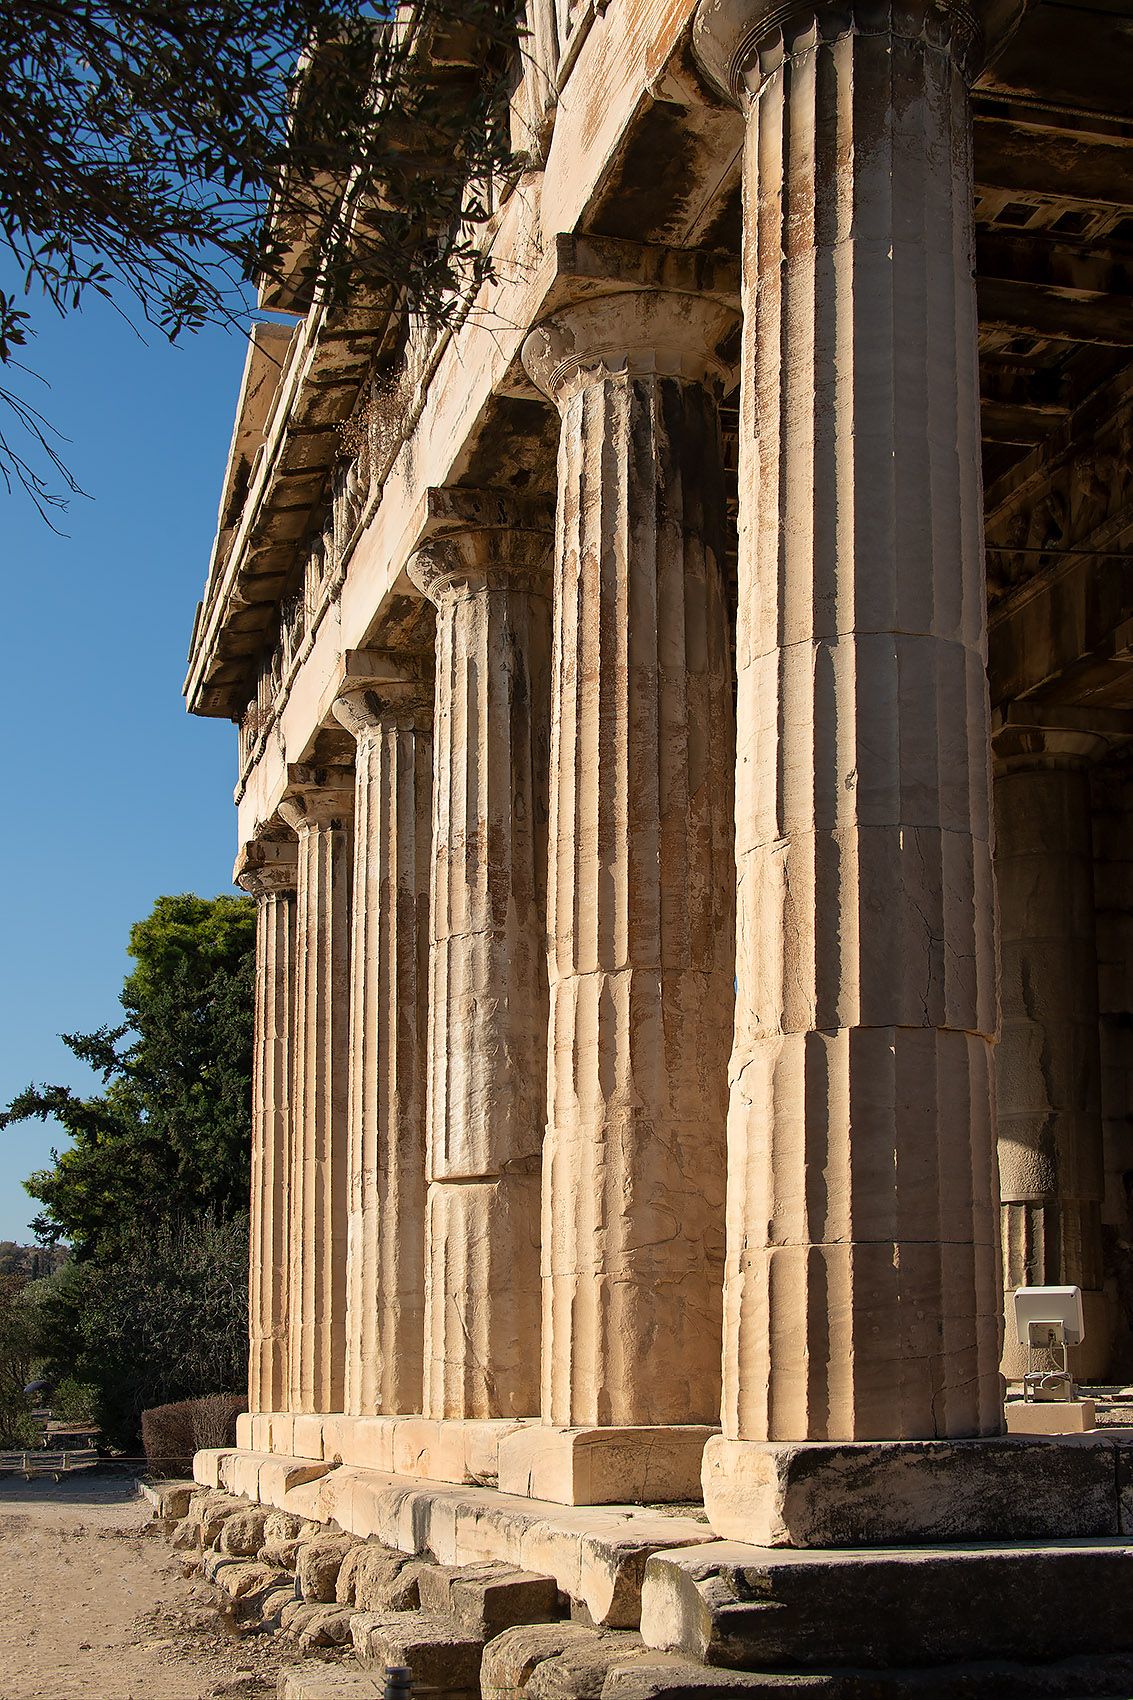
<point>93,1604</point>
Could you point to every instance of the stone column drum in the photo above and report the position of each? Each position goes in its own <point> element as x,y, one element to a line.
<point>488,999</point>
<point>641,895</point>
<point>269,872</point>
<point>862,1291</point>
<point>319,807</point>
<point>393,726</point>
<point>1048,1063</point>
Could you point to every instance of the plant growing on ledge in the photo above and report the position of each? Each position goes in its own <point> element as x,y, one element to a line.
<point>168,153</point>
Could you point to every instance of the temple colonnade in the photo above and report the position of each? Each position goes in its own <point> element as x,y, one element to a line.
<point>625,1053</point>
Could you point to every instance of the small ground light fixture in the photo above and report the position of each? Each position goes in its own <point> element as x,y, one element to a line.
<point>1049,1320</point>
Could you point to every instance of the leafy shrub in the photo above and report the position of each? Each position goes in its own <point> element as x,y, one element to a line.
<point>172,1433</point>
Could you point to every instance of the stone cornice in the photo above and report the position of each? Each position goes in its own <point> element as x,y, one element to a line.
<point>329,359</point>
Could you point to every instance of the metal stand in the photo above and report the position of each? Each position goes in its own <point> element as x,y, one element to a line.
<point>1055,1385</point>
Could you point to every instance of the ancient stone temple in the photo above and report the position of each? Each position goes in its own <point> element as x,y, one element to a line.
<point>686,776</point>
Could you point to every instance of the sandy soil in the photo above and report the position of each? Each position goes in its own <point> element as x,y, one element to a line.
<point>93,1604</point>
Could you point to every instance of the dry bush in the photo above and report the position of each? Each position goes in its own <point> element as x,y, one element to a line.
<point>172,1433</point>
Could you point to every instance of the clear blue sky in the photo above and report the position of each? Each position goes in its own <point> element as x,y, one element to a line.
<point>112,795</point>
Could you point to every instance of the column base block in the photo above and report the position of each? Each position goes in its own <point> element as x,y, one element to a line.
<point>885,1493</point>
<point>1049,1416</point>
<point>924,1611</point>
<point>446,1450</point>
<point>605,1466</point>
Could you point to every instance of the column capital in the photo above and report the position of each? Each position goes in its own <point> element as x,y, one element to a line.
<point>739,42</point>
<point>317,796</point>
<point>267,865</point>
<point>458,562</point>
<point>1027,735</point>
<point>643,332</point>
<point>380,684</point>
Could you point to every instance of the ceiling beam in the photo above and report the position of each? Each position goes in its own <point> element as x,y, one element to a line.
<point>1051,314</point>
<point>1030,159</point>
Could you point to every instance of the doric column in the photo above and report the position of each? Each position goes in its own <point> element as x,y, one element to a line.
<point>641,885</point>
<point>862,1291</point>
<point>268,871</point>
<point>488,996</point>
<point>392,720</point>
<point>1048,1063</point>
<point>319,806</point>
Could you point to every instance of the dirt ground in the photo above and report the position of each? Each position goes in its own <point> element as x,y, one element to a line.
<point>93,1604</point>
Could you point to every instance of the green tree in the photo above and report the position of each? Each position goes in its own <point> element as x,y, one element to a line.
<point>168,1137</point>
<point>166,1319</point>
<point>18,1349</point>
<point>152,1195</point>
<point>167,152</point>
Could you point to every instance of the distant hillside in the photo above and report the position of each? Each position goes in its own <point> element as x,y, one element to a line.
<point>30,1261</point>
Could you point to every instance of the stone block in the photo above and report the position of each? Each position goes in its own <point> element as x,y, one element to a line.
<point>488,1598</point>
<point>334,1682</point>
<point>867,1493</point>
<point>443,1655</point>
<point>283,1554</point>
<point>213,1513</point>
<point>169,1499</point>
<point>186,1535</point>
<point>215,1562</point>
<point>338,1433</point>
<point>278,1478</point>
<point>317,1566</point>
<point>282,1526</point>
<point>511,1658</point>
<point>244,1578</point>
<point>243,1533</point>
<point>347,1579</point>
<point>240,1472</point>
<point>581,1670</point>
<point>206,1465</point>
<point>603,1466</point>
<point>282,1433</point>
<point>300,1493</point>
<point>371,1443</point>
<point>482,1440</point>
<point>246,1431</point>
<point>329,1628</point>
<point>293,1619</point>
<point>755,1608</point>
<point>268,1606</point>
<point>385,1580</point>
<point>307,1436</point>
<point>1048,1416</point>
<point>666,1676</point>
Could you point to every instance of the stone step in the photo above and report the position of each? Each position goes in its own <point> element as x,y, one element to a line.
<point>333,1682</point>
<point>168,1498</point>
<point>443,1655</point>
<point>659,1677</point>
<point>488,1598</point>
<point>596,1554</point>
<point>759,1608</point>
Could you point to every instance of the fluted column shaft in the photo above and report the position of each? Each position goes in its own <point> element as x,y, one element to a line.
<point>320,813</point>
<point>393,726</point>
<point>272,883</point>
<point>1048,1064</point>
<point>488,1000</point>
<point>862,1292</point>
<point>641,899</point>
